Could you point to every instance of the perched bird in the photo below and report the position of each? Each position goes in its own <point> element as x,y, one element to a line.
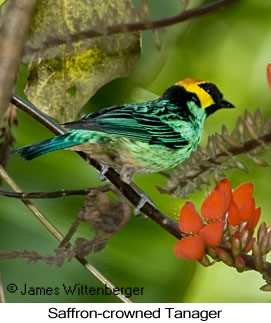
<point>141,137</point>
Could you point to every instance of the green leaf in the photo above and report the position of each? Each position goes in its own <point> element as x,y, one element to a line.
<point>64,77</point>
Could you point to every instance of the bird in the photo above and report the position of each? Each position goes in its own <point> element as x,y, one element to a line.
<point>146,137</point>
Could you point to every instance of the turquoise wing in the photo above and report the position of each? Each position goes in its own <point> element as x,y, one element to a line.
<point>153,122</point>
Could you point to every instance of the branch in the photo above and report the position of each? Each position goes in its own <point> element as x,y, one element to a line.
<point>51,195</point>
<point>132,192</point>
<point>13,28</point>
<point>132,27</point>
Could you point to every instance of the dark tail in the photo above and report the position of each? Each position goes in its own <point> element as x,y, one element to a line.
<point>32,151</point>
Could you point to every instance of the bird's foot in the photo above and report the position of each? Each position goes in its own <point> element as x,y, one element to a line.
<point>143,200</point>
<point>103,172</point>
<point>126,174</point>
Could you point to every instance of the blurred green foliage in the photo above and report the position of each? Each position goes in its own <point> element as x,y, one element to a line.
<point>230,48</point>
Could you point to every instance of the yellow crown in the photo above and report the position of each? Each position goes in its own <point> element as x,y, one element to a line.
<point>192,86</point>
<point>187,82</point>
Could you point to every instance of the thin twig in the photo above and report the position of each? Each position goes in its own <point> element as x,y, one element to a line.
<point>13,28</point>
<point>50,195</point>
<point>66,240</point>
<point>131,27</point>
<point>132,192</point>
<point>49,226</point>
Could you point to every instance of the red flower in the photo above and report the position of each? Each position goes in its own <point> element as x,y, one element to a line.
<point>201,235</point>
<point>212,208</point>
<point>237,208</point>
<point>242,193</point>
<point>255,218</point>
<point>224,187</point>
<point>233,215</point>
<point>242,208</point>
<point>212,233</point>
<point>190,221</point>
<point>190,248</point>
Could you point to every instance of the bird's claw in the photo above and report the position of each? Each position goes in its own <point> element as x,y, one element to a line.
<point>143,199</point>
<point>103,172</point>
<point>126,174</point>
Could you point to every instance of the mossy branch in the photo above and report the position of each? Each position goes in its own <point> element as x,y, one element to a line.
<point>146,24</point>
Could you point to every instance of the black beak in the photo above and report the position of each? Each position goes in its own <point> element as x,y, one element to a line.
<point>226,104</point>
